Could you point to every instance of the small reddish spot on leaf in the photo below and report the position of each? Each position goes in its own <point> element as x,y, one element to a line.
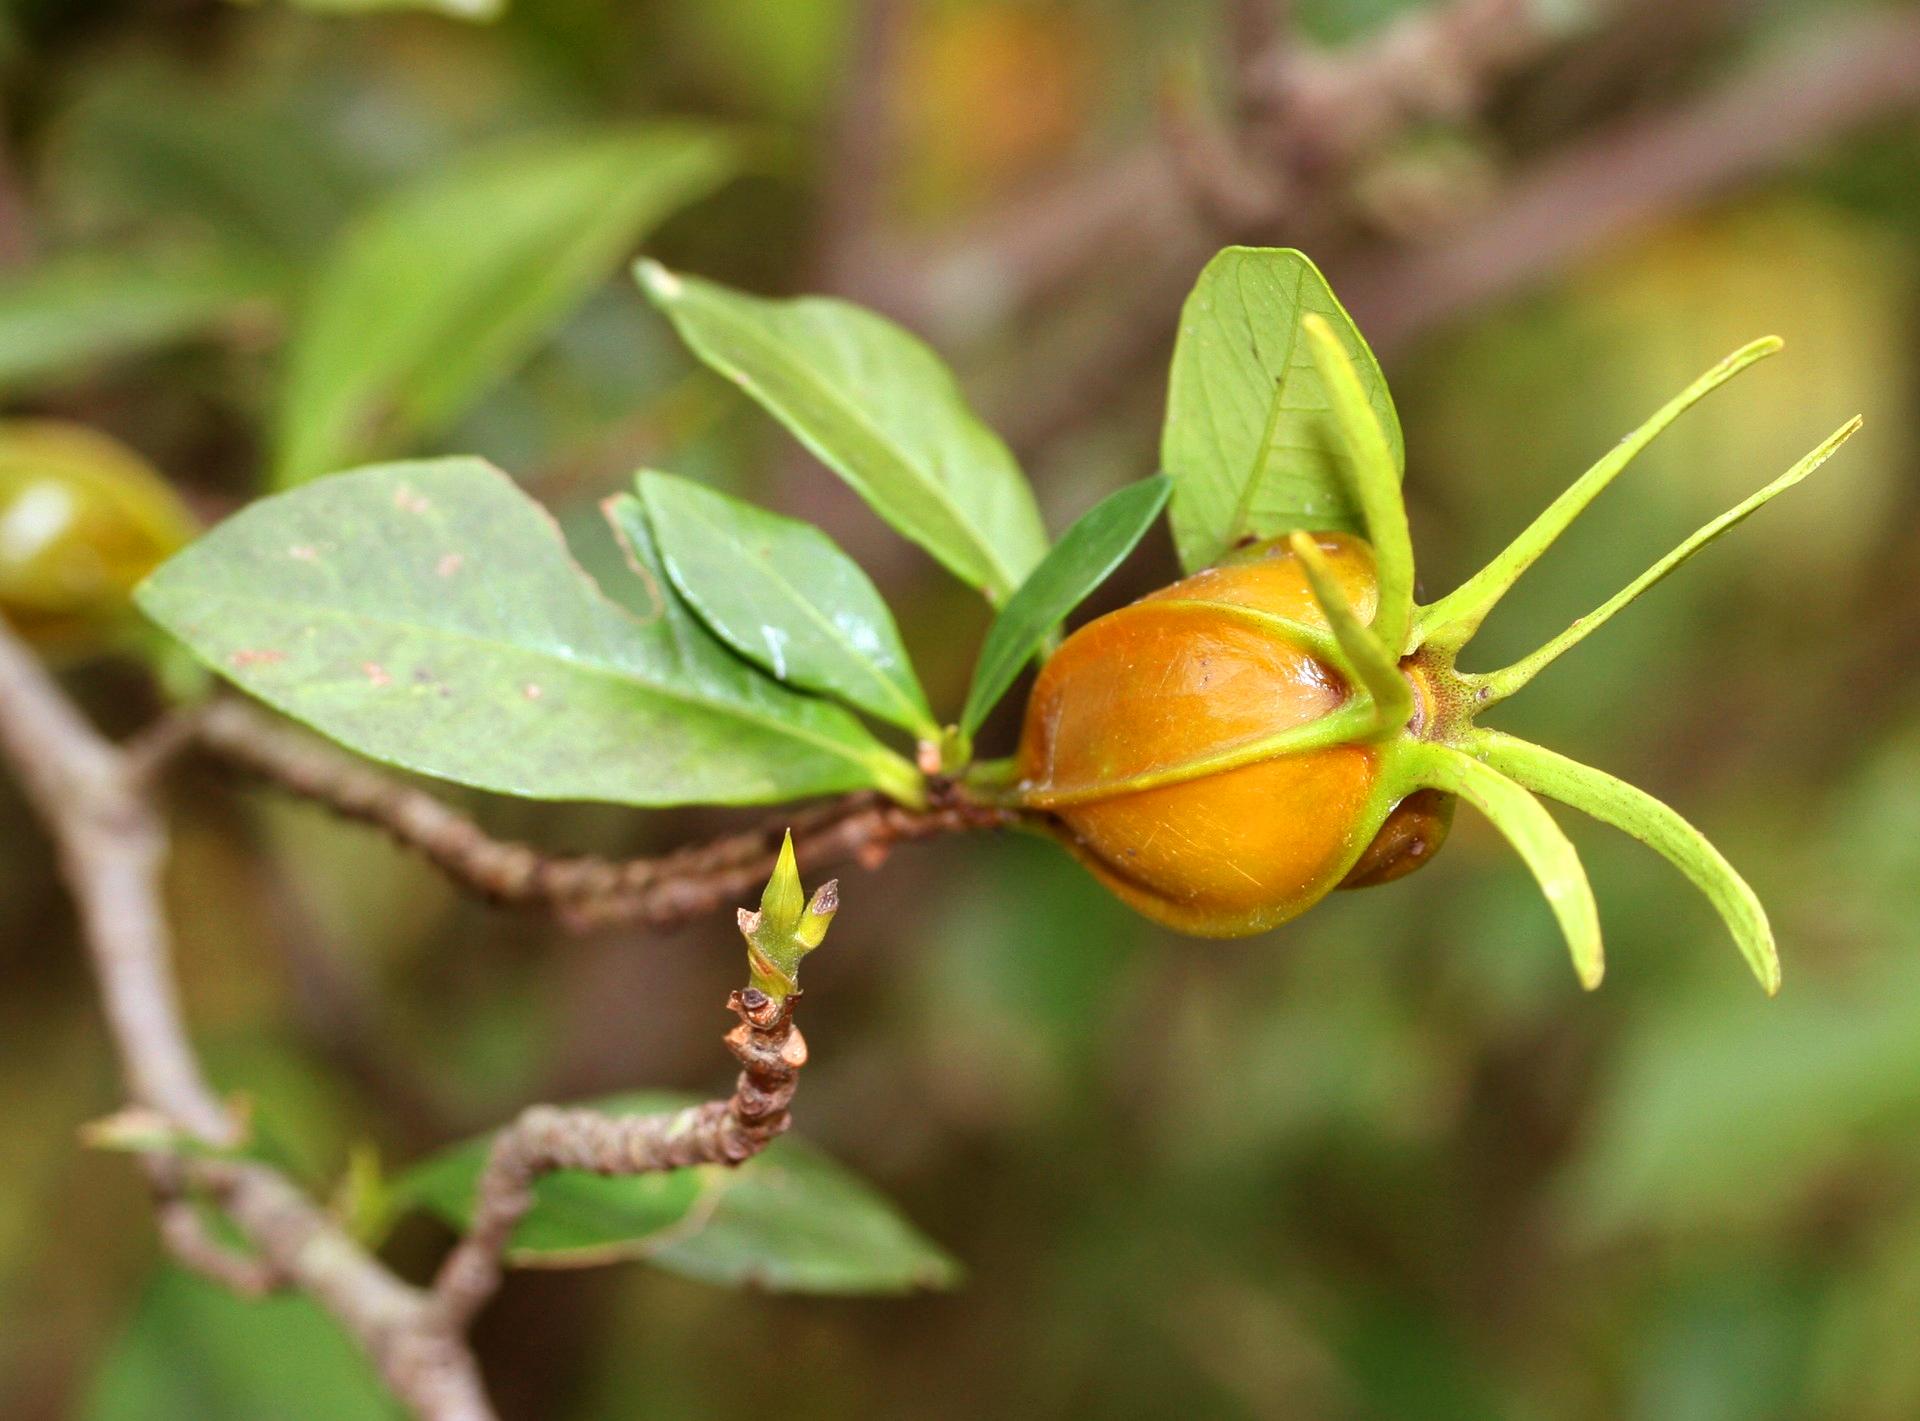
<point>302,552</point>
<point>376,674</point>
<point>408,501</point>
<point>247,656</point>
<point>532,691</point>
<point>449,565</point>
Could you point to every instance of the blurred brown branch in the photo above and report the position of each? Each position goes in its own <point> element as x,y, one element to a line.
<point>1579,198</point>
<point>92,799</point>
<point>585,891</point>
<point>1304,118</point>
<point>545,1138</point>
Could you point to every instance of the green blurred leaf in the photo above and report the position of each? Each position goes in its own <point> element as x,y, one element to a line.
<point>779,592</point>
<point>789,1220</point>
<point>1721,1110</point>
<point>576,1218</point>
<point>432,297</point>
<point>878,407</point>
<point>71,312</point>
<point>428,614</point>
<point>1085,557</point>
<point>1246,438</point>
<point>194,1349</point>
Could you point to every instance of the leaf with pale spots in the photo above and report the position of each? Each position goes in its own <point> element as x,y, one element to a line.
<point>429,615</point>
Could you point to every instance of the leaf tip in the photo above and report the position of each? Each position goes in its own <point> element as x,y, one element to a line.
<point>656,280</point>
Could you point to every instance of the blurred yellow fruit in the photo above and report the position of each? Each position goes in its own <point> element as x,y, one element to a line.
<point>82,519</point>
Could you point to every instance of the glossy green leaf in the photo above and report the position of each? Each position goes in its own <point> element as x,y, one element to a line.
<point>1634,811</point>
<point>437,293</point>
<point>1540,842</point>
<point>783,595</point>
<point>195,1349</point>
<point>63,315</point>
<point>789,1220</point>
<point>1247,437</point>
<point>1085,557</point>
<point>428,614</point>
<point>878,407</point>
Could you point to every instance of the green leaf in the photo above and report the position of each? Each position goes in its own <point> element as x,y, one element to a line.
<point>71,312</point>
<point>428,614</point>
<point>1634,811</point>
<point>438,292</point>
<point>576,1219</point>
<point>779,592</point>
<point>195,1349</point>
<point>1246,437</point>
<point>1548,852</point>
<point>789,1220</point>
<point>1085,557</point>
<point>878,407</point>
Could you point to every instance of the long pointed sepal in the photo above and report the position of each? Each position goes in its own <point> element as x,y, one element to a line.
<point>1366,659</point>
<point>1503,683</point>
<point>1633,811</point>
<point>1448,624</point>
<point>1375,482</point>
<point>1527,825</point>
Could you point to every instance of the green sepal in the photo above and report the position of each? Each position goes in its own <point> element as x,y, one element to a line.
<point>1500,684</point>
<point>1374,481</point>
<point>1365,658</point>
<point>1633,811</point>
<point>1448,624</point>
<point>1527,825</point>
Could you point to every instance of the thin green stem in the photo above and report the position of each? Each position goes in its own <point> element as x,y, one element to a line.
<point>1633,811</point>
<point>1498,685</point>
<point>1530,829</point>
<point>1369,661</point>
<point>1450,623</point>
<point>1375,481</point>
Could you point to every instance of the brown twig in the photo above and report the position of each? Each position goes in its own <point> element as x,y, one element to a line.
<point>546,1138</point>
<point>111,848</point>
<point>586,891</point>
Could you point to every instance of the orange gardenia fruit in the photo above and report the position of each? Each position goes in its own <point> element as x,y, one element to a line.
<point>1129,721</point>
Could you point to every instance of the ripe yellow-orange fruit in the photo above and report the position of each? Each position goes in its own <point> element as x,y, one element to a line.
<point>1127,715</point>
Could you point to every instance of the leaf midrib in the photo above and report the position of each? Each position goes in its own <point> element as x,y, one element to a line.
<point>914,713</point>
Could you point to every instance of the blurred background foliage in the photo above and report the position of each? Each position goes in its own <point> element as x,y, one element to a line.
<point>1389,1161</point>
